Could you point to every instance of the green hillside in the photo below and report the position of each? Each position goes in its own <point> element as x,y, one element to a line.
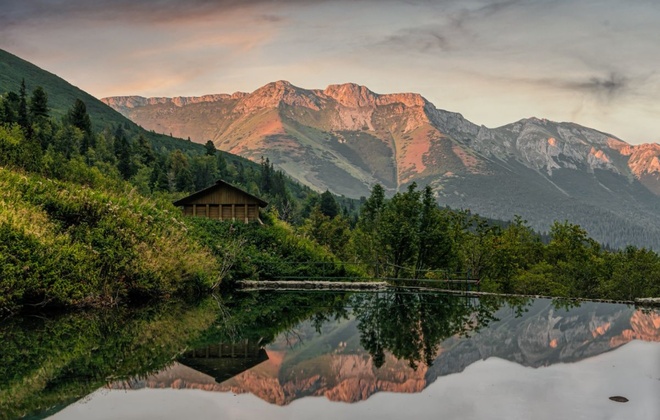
<point>62,95</point>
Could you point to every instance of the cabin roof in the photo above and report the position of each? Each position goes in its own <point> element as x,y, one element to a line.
<point>218,183</point>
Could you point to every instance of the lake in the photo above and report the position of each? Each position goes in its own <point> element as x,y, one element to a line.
<point>300,355</point>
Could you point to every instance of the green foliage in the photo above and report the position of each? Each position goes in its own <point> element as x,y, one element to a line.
<point>406,236</point>
<point>632,273</point>
<point>327,205</point>
<point>39,104</point>
<point>63,244</point>
<point>270,251</point>
<point>210,149</point>
<point>22,107</point>
<point>332,233</point>
<point>78,117</point>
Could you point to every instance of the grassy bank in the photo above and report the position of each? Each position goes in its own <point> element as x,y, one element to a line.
<point>63,244</point>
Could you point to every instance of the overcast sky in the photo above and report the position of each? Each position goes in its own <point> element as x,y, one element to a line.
<point>594,62</point>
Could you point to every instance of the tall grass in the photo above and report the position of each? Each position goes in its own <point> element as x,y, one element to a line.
<point>66,244</point>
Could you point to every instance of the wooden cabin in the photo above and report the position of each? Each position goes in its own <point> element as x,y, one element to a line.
<point>222,201</point>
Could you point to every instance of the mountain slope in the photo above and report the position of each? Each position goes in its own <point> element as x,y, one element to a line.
<point>347,138</point>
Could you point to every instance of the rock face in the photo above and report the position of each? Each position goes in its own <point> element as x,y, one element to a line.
<point>346,138</point>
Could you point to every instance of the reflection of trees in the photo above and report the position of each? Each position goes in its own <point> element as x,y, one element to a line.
<point>411,326</point>
<point>263,315</point>
<point>49,362</point>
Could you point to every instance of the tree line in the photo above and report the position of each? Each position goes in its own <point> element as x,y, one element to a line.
<point>410,236</point>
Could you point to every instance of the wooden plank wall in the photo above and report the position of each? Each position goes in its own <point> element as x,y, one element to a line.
<point>227,211</point>
<point>224,195</point>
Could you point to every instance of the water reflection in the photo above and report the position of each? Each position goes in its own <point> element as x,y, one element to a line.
<point>397,341</point>
<point>48,362</point>
<point>411,326</point>
<point>282,347</point>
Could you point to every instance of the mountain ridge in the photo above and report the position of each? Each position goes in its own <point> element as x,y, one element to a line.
<point>346,138</point>
<point>645,157</point>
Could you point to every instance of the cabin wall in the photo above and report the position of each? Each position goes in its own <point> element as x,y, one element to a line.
<point>236,212</point>
<point>224,195</point>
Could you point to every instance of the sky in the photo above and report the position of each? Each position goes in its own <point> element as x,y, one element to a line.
<point>593,62</point>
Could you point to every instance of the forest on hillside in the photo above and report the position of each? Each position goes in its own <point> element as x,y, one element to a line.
<point>86,220</point>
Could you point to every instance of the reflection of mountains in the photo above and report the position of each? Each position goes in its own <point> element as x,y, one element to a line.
<point>545,335</point>
<point>335,365</point>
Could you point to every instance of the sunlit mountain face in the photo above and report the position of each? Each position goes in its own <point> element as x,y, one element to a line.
<point>346,138</point>
<point>402,343</point>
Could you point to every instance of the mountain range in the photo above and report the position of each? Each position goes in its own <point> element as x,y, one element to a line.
<point>347,138</point>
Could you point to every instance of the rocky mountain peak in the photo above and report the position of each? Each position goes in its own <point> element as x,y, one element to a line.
<point>273,94</point>
<point>128,102</point>
<point>351,95</point>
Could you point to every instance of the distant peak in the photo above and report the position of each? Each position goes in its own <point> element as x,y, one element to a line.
<point>279,84</point>
<point>347,87</point>
<point>277,88</point>
<point>275,93</point>
<point>535,120</point>
<point>351,95</point>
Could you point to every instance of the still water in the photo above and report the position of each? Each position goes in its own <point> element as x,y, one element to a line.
<point>285,355</point>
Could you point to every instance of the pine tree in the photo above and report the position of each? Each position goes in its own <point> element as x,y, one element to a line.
<point>9,106</point>
<point>159,180</point>
<point>78,117</point>
<point>180,167</point>
<point>22,117</point>
<point>328,205</point>
<point>123,154</point>
<point>145,151</point>
<point>266,184</point>
<point>39,104</point>
<point>210,148</point>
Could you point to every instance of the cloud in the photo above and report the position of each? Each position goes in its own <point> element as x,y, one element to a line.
<point>18,12</point>
<point>455,24</point>
<point>609,87</point>
<point>605,88</point>
<point>425,39</point>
